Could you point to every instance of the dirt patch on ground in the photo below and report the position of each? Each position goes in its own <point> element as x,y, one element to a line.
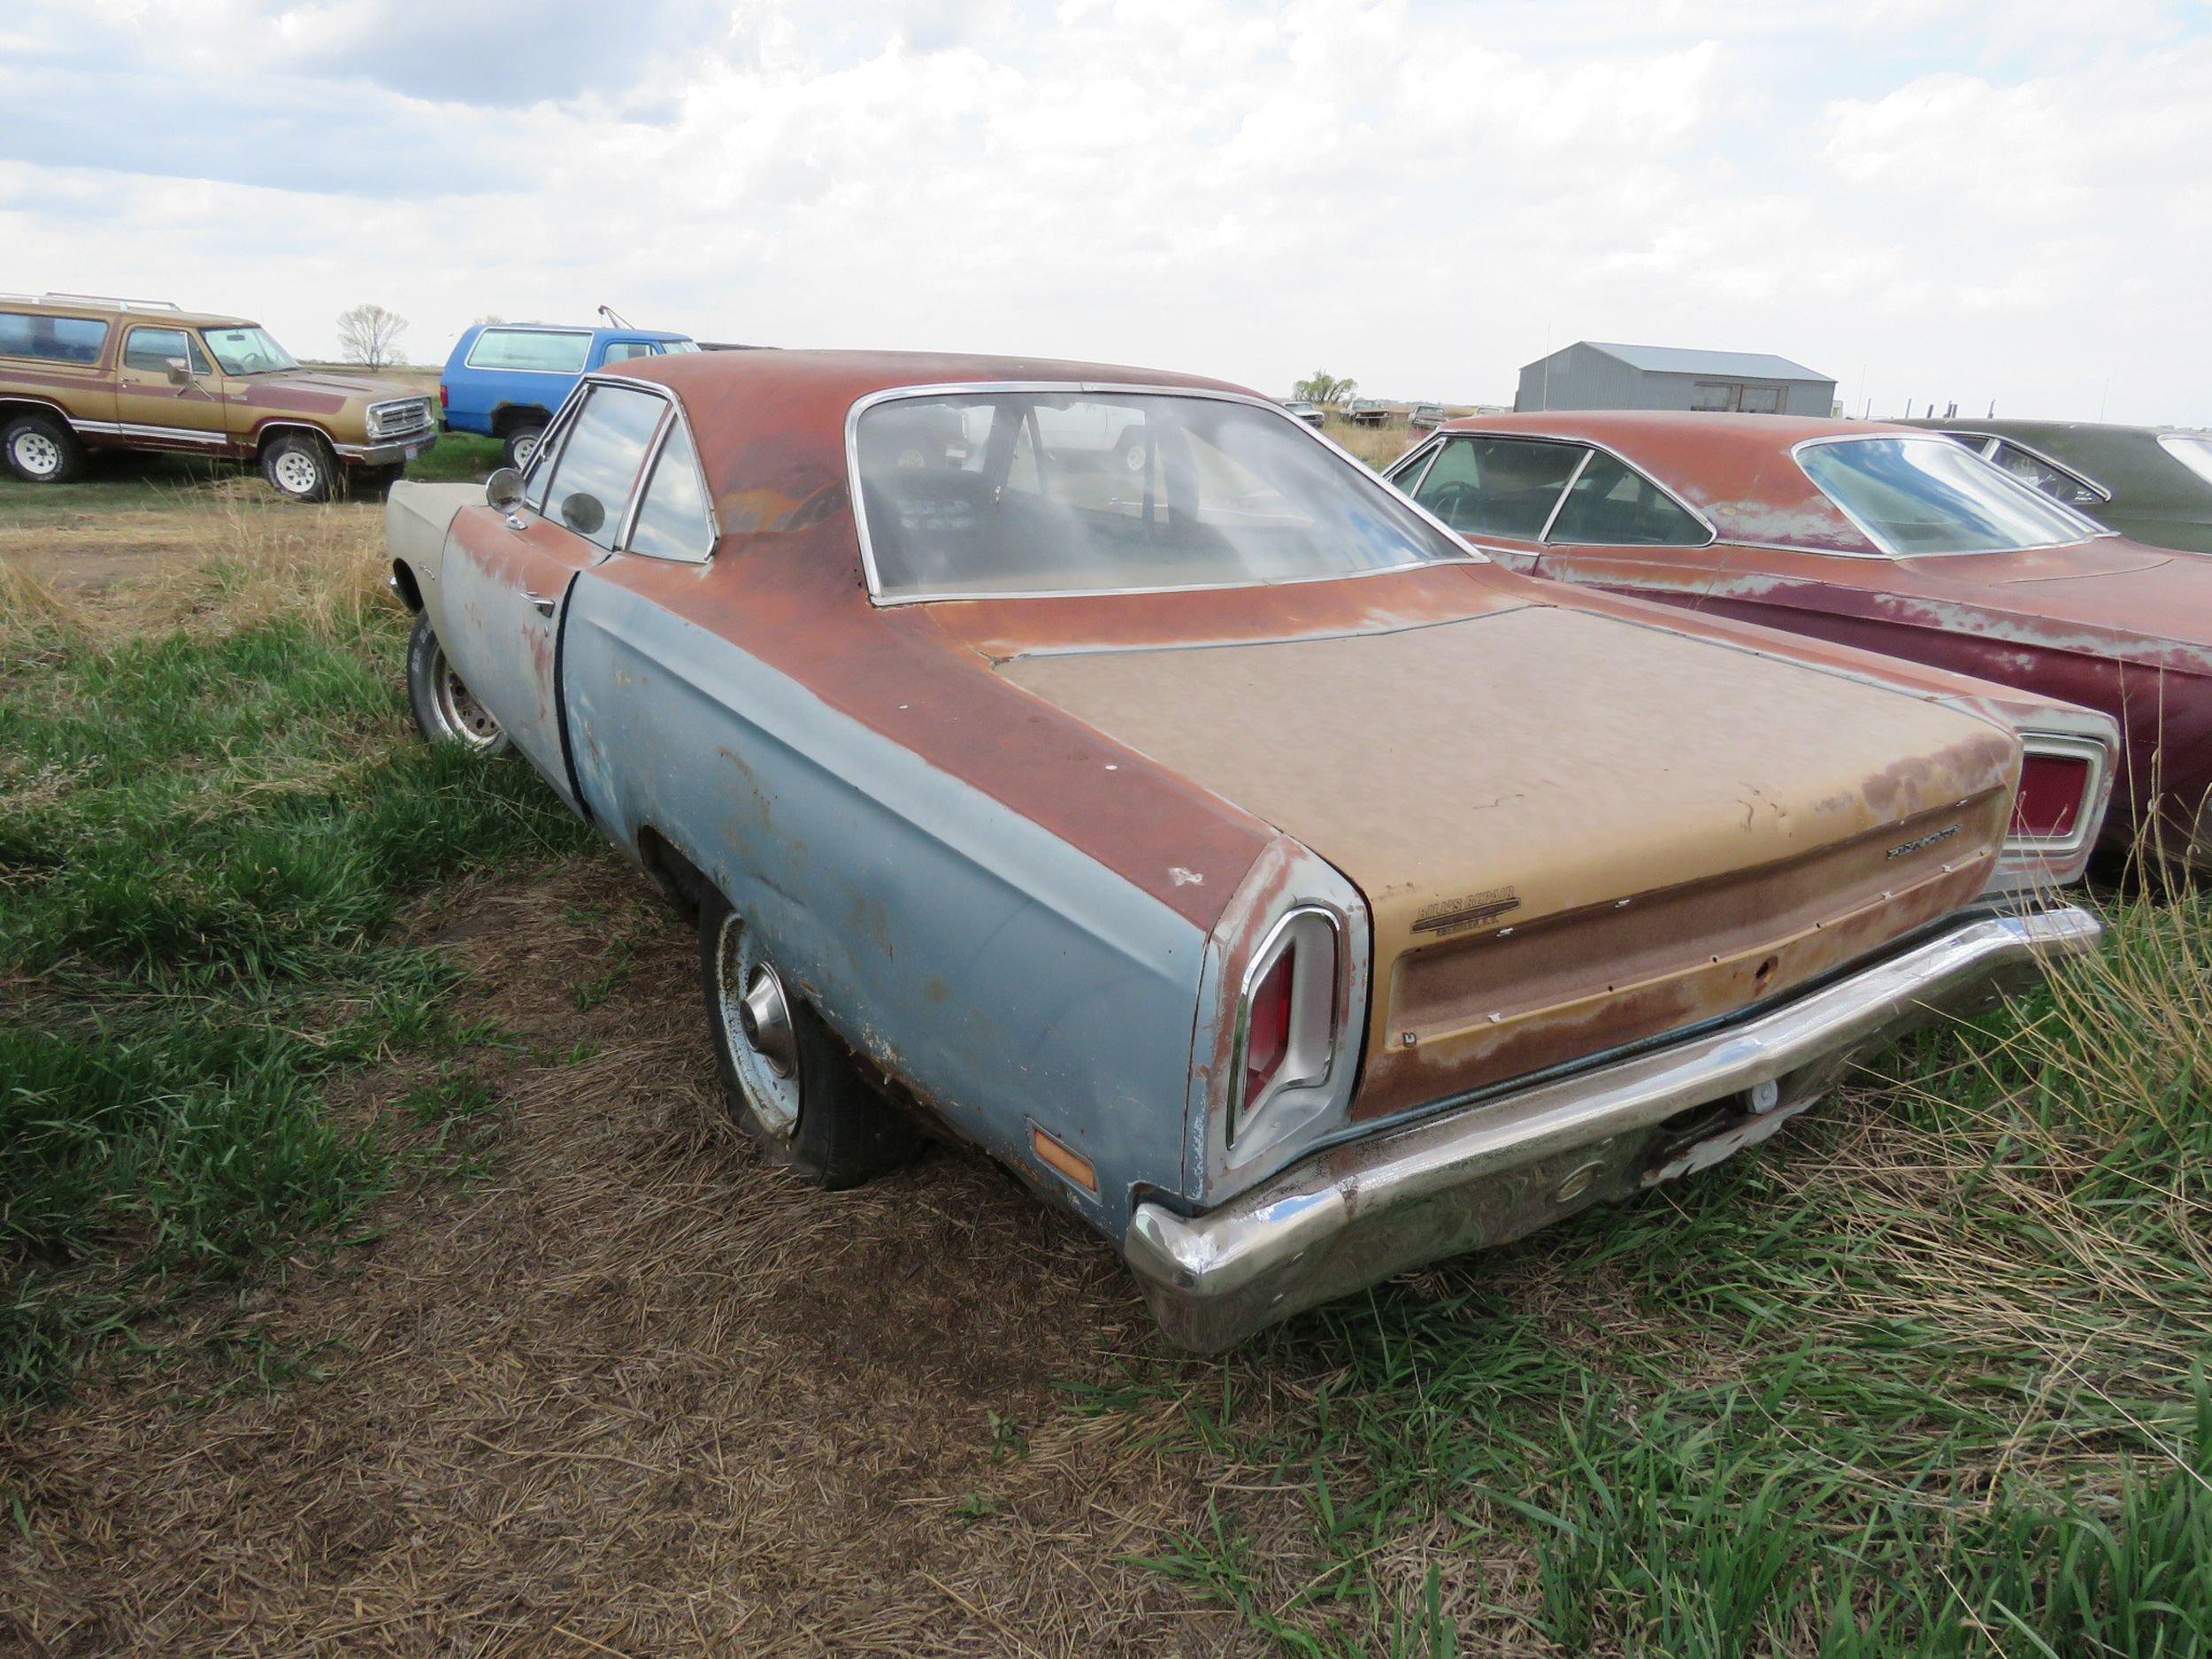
<point>638,1392</point>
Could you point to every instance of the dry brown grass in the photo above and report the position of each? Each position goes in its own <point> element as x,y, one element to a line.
<point>1377,446</point>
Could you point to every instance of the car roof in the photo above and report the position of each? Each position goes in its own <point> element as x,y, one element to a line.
<point>1737,470</point>
<point>773,421</point>
<point>2003,425</point>
<point>139,313</point>
<point>579,329</point>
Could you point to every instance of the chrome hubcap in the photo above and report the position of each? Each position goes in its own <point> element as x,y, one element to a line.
<point>466,719</point>
<point>756,1018</point>
<point>296,472</point>
<point>36,453</point>
<point>524,447</point>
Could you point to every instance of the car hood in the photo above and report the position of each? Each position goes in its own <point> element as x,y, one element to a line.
<point>1536,775</point>
<point>369,388</point>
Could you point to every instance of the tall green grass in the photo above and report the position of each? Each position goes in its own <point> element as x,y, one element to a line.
<point>1926,1377</point>
<point>205,838</point>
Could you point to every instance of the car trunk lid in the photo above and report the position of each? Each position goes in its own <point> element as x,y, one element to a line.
<point>1573,832</point>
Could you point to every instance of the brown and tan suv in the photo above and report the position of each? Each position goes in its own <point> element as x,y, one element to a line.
<point>79,372</point>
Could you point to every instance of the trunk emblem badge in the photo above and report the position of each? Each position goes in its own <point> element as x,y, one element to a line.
<point>1925,841</point>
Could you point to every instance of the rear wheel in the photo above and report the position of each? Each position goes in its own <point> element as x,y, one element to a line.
<point>41,449</point>
<point>445,710</point>
<point>786,1079</point>
<point>522,443</point>
<point>300,466</point>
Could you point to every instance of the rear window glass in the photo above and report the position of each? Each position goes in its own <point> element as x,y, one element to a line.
<point>52,339</point>
<point>548,353</point>
<point>1613,505</point>
<point>2192,452</point>
<point>1042,492</point>
<point>1917,496</point>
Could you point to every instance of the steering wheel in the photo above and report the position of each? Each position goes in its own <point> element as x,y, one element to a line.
<point>252,362</point>
<point>1450,499</point>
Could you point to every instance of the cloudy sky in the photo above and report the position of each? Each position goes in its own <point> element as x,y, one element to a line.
<point>1940,199</point>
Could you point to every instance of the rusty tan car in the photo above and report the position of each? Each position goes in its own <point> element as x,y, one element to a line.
<point>1290,892</point>
<point>80,373</point>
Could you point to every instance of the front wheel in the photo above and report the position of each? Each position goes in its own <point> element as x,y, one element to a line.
<point>300,466</point>
<point>786,1079</point>
<point>446,711</point>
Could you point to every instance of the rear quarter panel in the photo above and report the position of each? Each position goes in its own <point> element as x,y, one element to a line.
<point>1001,974</point>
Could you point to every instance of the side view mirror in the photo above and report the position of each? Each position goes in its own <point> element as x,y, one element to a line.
<point>179,371</point>
<point>504,489</point>
<point>583,514</point>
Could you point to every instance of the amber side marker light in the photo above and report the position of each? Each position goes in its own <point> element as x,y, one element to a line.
<point>2051,791</point>
<point>1063,1160</point>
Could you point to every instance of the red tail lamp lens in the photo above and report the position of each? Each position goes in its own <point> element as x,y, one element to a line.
<point>445,398</point>
<point>1267,1029</point>
<point>2051,791</point>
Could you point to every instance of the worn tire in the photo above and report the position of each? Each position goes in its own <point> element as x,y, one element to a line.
<point>41,449</point>
<point>823,1121</point>
<point>444,710</point>
<point>522,443</point>
<point>301,466</point>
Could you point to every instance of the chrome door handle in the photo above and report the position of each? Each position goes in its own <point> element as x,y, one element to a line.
<point>544,604</point>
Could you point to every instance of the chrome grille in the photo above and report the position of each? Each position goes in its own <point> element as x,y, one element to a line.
<point>401,419</point>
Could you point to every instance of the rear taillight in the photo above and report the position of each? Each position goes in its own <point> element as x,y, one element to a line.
<point>445,400</point>
<point>1286,1018</point>
<point>1267,1028</point>
<point>2053,788</point>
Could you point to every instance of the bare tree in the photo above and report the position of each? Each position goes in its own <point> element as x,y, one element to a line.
<point>1324,387</point>
<point>369,335</point>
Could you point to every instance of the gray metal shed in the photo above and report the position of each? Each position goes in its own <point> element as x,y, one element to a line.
<point>1593,374</point>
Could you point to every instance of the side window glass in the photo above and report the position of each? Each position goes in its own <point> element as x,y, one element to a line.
<point>545,351</point>
<point>588,489</point>
<point>54,339</point>
<point>1611,505</point>
<point>623,350</point>
<point>151,350</point>
<point>672,521</point>
<point>2037,473</point>
<point>1498,486</point>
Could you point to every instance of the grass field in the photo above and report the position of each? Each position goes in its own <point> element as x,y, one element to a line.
<point>378,1278</point>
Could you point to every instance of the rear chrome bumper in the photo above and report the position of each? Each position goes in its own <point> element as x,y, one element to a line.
<point>1488,1172</point>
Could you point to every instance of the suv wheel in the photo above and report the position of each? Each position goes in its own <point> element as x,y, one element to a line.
<point>522,443</point>
<point>300,466</point>
<point>41,449</point>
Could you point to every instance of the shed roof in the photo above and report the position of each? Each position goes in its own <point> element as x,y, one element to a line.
<point>1682,360</point>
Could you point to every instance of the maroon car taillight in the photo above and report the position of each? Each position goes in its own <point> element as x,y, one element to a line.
<point>1288,1015</point>
<point>445,398</point>
<point>2053,788</point>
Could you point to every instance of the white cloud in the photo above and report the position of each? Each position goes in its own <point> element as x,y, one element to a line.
<point>1423,194</point>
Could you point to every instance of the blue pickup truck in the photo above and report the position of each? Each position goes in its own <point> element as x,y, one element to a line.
<point>505,380</point>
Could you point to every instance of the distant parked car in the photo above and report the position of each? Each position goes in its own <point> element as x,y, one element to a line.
<point>2152,484</point>
<point>79,372</point>
<point>1873,535</point>
<point>1310,414</point>
<point>1203,840</point>
<point>1367,411</point>
<point>1424,416</point>
<point>505,380</point>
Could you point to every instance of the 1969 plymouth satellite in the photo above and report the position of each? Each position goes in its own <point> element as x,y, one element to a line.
<point>1212,838</point>
<point>1872,535</point>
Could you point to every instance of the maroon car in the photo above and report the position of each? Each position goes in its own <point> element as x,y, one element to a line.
<point>1873,535</point>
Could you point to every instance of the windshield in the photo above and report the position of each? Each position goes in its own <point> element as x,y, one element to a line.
<point>247,350</point>
<point>2192,452</point>
<point>1914,497</point>
<point>1007,493</point>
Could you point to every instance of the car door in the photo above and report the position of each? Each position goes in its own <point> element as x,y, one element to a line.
<point>1618,529</point>
<point>508,576</point>
<point>156,410</point>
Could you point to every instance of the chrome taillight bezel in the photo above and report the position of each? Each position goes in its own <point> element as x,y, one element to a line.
<point>2088,820</point>
<point>1315,1030</point>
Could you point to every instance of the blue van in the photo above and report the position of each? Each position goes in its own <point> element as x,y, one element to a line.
<point>505,380</point>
